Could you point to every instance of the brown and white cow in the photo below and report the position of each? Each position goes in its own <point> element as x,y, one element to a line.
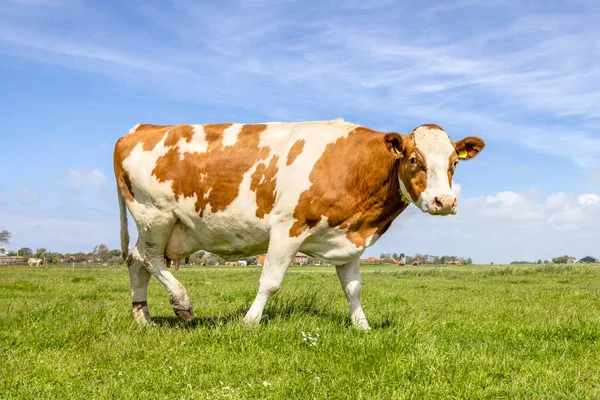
<point>328,189</point>
<point>35,261</point>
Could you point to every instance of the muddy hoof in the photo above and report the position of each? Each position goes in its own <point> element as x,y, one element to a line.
<point>186,315</point>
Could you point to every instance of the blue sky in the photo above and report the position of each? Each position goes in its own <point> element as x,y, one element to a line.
<point>525,76</point>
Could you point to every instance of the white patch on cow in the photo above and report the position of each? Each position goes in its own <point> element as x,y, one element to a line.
<point>149,193</point>
<point>437,149</point>
<point>331,245</point>
<point>134,128</point>
<point>294,179</point>
<point>230,134</point>
<point>198,144</point>
<point>372,239</point>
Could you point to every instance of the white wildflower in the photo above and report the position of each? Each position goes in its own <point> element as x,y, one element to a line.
<point>310,338</point>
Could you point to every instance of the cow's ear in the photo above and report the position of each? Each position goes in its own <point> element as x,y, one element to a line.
<point>469,147</point>
<point>394,144</point>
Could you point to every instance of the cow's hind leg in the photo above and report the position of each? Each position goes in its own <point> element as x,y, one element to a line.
<point>139,277</point>
<point>150,251</point>
<point>279,258</point>
<point>349,275</point>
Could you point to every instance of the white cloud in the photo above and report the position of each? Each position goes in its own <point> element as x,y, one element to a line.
<point>29,196</point>
<point>528,74</point>
<point>94,178</point>
<point>503,227</point>
<point>64,229</point>
<point>510,71</point>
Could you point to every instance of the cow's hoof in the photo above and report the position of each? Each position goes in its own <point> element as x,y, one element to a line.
<point>140,313</point>
<point>361,325</point>
<point>251,320</point>
<point>186,315</point>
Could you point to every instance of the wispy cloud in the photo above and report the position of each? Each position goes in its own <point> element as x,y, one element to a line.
<point>521,73</point>
<point>503,227</point>
<point>29,196</point>
<point>80,179</point>
<point>516,72</point>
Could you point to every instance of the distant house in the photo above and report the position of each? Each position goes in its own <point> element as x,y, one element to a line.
<point>589,260</point>
<point>260,261</point>
<point>369,260</point>
<point>301,259</point>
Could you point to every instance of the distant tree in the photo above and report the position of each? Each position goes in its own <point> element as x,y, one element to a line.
<point>395,255</point>
<point>561,260</point>
<point>39,253</point>
<point>539,261</point>
<point>546,262</point>
<point>101,251</point>
<point>25,252</point>
<point>402,255</point>
<point>114,253</point>
<point>382,256</point>
<point>53,256</point>
<point>79,257</point>
<point>115,260</point>
<point>468,261</point>
<point>218,259</point>
<point>4,236</point>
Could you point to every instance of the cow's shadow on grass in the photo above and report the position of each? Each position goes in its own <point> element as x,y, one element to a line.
<point>199,321</point>
<point>311,302</point>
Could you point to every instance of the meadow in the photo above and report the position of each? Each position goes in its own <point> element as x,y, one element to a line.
<point>493,332</point>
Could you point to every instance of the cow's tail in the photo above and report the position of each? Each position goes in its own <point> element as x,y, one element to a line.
<point>124,230</point>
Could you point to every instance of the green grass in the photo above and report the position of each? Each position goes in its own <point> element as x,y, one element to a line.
<point>449,332</point>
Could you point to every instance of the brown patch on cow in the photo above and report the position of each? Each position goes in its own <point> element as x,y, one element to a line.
<point>263,183</point>
<point>355,185</point>
<point>430,126</point>
<point>149,136</point>
<point>178,132</point>
<point>452,167</point>
<point>215,175</point>
<point>295,151</point>
<point>413,175</point>
<point>123,181</point>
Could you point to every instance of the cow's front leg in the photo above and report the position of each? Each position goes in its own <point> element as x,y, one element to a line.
<point>279,258</point>
<point>349,275</point>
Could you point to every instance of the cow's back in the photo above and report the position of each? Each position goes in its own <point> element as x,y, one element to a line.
<point>228,184</point>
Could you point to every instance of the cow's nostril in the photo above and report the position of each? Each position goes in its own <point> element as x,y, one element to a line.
<point>438,202</point>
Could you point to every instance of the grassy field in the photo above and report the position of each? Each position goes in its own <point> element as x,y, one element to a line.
<point>451,332</point>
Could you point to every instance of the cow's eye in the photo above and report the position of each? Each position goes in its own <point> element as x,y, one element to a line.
<point>413,160</point>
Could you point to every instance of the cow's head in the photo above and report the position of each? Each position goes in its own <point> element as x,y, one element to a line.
<point>427,160</point>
